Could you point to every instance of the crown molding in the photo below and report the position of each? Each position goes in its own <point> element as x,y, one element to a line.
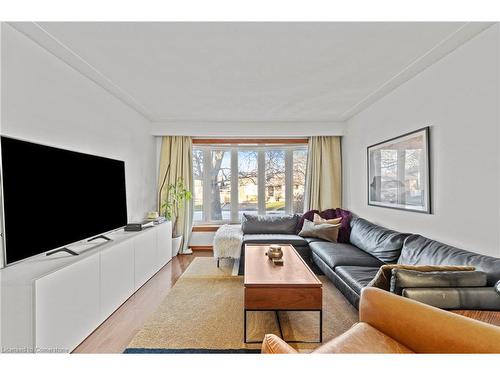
<point>43,38</point>
<point>443,48</point>
<point>287,129</point>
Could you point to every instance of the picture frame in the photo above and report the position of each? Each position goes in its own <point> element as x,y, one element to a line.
<point>398,172</point>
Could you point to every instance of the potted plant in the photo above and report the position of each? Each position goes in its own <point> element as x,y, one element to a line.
<point>177,196</point>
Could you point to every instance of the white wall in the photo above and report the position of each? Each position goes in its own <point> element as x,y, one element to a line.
<point>201,238</point>
<point>459,98</point>
<point>271,129</point>
<point>44,100</point>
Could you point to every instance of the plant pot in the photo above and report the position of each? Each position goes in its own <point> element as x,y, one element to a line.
<point>176,245</point>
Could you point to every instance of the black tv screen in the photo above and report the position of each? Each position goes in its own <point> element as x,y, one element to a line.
<point>54,197</point>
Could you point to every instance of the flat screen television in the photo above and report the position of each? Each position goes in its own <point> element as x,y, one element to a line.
<point>54,197</point>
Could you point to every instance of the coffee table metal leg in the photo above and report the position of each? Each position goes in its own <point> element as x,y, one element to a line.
<point>279,323</point>
<point>280,328</point>
<point>321,325</point>
<point>245,326</point>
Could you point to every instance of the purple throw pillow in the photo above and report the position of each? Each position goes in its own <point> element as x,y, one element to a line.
<point>331,213</point>
<point>345,228</point>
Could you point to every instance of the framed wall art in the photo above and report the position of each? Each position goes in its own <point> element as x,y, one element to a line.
<point>399,172</point>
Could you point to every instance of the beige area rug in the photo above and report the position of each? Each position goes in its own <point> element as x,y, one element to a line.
<point>204,313</point>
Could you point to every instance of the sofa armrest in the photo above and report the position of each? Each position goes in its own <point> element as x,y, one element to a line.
<point>479,298</point>
<point>272,344</point>
<point>423,328</point>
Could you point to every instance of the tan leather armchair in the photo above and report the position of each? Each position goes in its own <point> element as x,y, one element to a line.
<point>393,324</point>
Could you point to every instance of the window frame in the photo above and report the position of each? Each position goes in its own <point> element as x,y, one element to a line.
<point>261,148</point>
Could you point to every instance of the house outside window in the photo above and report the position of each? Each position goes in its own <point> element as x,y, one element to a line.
<point>230,180</point>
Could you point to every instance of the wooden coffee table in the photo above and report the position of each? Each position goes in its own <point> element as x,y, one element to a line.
<point>288,287</point>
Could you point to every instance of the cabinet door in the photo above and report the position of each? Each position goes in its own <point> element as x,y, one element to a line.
<point>117,276</point>
<point>164,238</point>
<point>67,306</point>
<point>145,256</point>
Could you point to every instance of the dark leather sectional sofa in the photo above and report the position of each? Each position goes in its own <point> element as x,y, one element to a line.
<point>351,266</point>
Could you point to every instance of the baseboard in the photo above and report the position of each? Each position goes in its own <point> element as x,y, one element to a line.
<point>202,248</point>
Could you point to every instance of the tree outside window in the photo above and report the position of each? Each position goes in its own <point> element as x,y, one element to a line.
<point>226,181</point>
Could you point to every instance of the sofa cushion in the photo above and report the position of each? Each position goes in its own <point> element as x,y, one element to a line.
<point>313,239</point>
<point>329,232</point>
<point>345,227</point>
<point>356,277</point>
<point>339,283</point>
<point>420,250</point>
<point>385,244</point>
<point>269,224</point>
<point>309,215</point>
<point>319,220</point>
<point>478,298</point>
<point>436,279</point>
<point>342,254</point>
<point>382,279</point>
<point>291,239</point>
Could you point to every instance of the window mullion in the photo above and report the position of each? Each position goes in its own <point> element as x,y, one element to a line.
<point>207,199</point>
<point>261,180</point>
<point>234,185</point>
<point>288,180</point>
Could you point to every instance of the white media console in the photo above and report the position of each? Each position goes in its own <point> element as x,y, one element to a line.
<point>52,303</point>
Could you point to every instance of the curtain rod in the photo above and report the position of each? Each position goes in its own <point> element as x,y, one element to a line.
<point>250,141</point>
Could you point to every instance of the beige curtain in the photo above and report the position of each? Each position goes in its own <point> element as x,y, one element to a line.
<point>324,174</point>
<point>176,161</point>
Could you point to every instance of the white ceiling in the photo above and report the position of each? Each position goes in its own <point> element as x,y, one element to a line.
<point>250,71</point>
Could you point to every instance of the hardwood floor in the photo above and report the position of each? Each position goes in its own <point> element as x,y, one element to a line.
<point>114,334</point>
<point>491,317</point>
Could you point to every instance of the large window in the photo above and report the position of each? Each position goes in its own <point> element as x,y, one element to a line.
<point>230,180</point>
